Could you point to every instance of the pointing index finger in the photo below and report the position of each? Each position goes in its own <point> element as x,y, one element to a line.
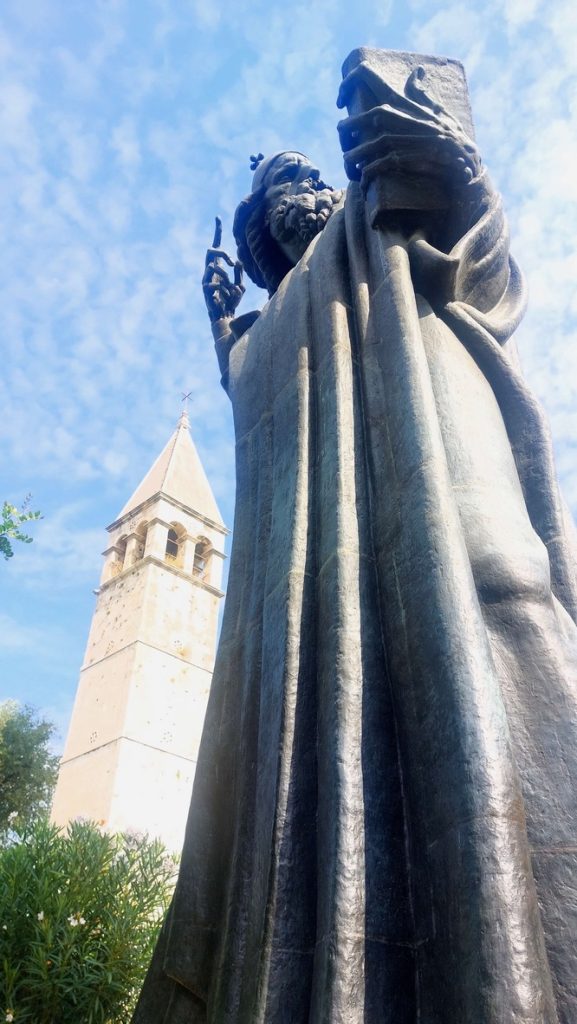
<point>217,233</point>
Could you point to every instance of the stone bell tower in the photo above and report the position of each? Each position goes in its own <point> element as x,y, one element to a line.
<point>132,745</point>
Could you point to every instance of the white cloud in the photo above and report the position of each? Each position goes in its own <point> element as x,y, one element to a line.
<point>18,636</point>
<point>453,30</point>
<point>519,12</point>
<point>126,144</point>
<point>208,14</point>
<point>63,551</point>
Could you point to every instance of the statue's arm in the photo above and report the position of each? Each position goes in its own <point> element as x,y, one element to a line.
<point>223,342</point>
<point>222,297</point>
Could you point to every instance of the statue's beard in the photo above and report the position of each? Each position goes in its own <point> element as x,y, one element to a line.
<point>297,219</point>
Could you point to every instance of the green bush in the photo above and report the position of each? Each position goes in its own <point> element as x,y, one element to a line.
<point>28,768</point>
<point>79,914</point>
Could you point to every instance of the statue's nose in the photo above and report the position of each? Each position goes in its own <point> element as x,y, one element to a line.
<point>308,173</point>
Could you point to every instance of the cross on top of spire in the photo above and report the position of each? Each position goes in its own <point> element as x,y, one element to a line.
<point>186,397</point>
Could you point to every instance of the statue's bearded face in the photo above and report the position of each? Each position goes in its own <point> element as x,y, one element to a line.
<point>297,202</point>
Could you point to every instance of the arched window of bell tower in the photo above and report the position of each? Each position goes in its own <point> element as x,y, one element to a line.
<point>202,552</point>
<point>174,544</point>
<point>117,564</point>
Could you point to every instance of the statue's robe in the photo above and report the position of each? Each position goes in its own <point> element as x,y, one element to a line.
<point>383,828</point>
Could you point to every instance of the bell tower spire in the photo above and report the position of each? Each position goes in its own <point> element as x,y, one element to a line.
<point>131,750</point>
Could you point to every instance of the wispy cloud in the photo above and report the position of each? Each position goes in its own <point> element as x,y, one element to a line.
<point>18,636</point>
<point>63,553</point>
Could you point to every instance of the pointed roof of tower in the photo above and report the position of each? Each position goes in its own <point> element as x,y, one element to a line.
<point>178,473</point>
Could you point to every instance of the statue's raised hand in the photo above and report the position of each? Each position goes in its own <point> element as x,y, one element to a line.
<point>221,295</point>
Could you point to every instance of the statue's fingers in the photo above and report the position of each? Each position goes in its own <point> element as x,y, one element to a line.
<point>213,253</point>
<point>362,127</point>
<point>213,270</point>
<point>217,233</point>
<point>389,143</point>
<point>377,117</point>
<point>215,286</point>
<point>209,272</point>
<point>384,147</point>
<point>461,152</point>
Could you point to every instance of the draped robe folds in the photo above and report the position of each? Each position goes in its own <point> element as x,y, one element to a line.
<point>383,828</point>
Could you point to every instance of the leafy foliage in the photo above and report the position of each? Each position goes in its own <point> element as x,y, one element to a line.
<point>28,769</point>
<point>81,912</point>
<point>10,523</point>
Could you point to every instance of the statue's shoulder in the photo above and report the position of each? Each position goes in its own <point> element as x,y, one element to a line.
<point>243,323</point>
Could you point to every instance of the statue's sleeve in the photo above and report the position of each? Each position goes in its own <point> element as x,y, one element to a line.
<point>478,277</point>
<point>226,333</point>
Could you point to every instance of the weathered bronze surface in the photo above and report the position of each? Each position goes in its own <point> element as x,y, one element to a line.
<point>384,821</point>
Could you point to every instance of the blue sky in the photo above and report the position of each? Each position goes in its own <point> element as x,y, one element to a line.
<point>126,125</point>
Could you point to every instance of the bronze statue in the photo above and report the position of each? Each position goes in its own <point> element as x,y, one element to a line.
<point>384,821</point>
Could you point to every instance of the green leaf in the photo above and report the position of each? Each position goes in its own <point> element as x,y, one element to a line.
<point>53,971</point>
